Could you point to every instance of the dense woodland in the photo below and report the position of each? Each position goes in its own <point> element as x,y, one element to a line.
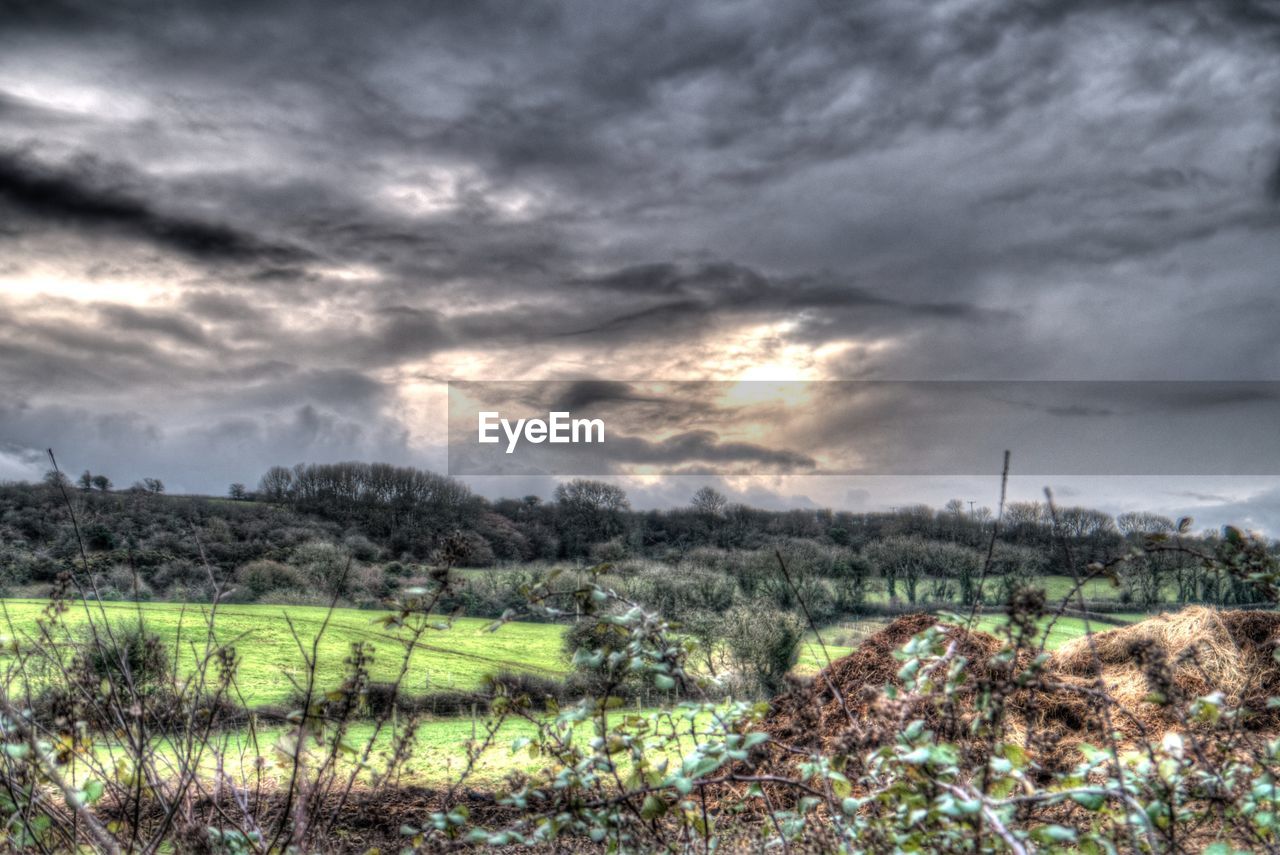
<point>364,531</point>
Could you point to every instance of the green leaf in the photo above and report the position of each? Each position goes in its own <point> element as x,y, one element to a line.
<point>1089,801</point>
<point>1054,834</point>
<point>653,807</point>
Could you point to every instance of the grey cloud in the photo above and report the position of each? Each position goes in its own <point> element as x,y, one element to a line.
<point>81,198</point>
<point>176,327</point>
<point>220,306</point>
<point>992,189</point>
<point>207,457</point>
<point>584,394</point>
<point>705,447</point>
<point>1077,411</point>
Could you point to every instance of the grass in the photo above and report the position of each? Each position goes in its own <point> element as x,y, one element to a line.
<point>841,638</point>
<point>437,756</point>
<point>1064,629</point>
<point>457,658</point>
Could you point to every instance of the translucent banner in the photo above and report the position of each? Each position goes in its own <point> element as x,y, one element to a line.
<point>596,427</point>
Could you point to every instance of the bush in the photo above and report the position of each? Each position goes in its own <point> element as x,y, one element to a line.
<point>594,646</point>
<point>676,594</point>
<point>765,643</point>
<point>179,571</point>
<point>323,565</point>
<point>99,538</point>
<point>124,654</point>
<point>121,584</point>
<point>361,548</point>
<point>609,550</point>
<point>262,577</point>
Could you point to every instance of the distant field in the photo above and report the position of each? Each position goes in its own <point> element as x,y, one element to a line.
<point>841,638</point>
<point>456,658</point>
<point>1064,629</point>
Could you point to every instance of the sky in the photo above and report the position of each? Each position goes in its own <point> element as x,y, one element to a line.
<point>237,234</point>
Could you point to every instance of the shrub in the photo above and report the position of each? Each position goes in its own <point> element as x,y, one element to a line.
<point>361,548</point>
<point>595,647</point>
<point>398,570</point>
<point>99,538</point>
<point>324,565</point>
<point>613,549</point>
<point>765,643</point>
<point>262,577</point>
<point>181,572</point>
<point>121,584</point>
<point>124,654</point>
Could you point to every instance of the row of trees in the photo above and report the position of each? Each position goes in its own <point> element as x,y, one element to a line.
<point>412,511</point>
<point>89,482</point>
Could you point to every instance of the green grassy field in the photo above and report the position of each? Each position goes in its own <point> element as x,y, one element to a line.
<point>1064,629</point>
<point>841,638</point>
<point>455,658</point>
<point>438,754</point>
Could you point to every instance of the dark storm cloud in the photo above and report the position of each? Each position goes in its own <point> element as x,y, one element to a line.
<point>880,427</point>
<point>583,395</point>
<point>705,447</point>
<point>673,300</point>
<point>80,199</point>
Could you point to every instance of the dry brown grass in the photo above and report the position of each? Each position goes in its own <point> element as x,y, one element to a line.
<point>1205,650</point>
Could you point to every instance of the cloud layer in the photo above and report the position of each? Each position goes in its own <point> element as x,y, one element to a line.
<point>239,234</point>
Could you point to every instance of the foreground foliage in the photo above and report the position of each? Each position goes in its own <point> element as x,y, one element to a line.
<point>940,750</point>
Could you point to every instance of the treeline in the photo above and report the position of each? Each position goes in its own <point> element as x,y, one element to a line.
<point>363,531</point>
<point>412,512</point>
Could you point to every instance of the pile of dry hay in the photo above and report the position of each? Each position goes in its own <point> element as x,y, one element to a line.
<point>1205,651</point>
<point>1150,670</point>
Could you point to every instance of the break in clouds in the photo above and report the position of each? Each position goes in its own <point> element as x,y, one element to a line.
<point>234,235</point>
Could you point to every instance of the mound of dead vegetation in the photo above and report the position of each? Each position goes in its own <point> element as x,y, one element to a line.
<point>1135,682</point>
<point>1203,650</point>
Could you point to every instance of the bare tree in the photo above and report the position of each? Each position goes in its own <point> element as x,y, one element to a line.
<point>709,502</point>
